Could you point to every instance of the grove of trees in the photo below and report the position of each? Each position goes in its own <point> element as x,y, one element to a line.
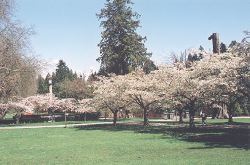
<point>66,84</point>
<point>219,79</point>
<point>128,80</point>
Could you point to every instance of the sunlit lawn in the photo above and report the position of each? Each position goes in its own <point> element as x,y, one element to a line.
<point>225,121</point>
<point>125,144</point>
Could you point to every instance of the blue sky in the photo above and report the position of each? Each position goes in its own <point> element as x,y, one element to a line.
<point>69,29</point>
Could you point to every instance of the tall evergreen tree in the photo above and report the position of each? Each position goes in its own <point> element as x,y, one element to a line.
<point>62,71</point>
<point>42,85</point>
<point>121,48</point>
<point>63,75</point>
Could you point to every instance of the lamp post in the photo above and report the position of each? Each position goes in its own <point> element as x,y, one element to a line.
<point>65,112</point>
<point>50,88</point>
<point>85,117</point>
<point>50,95</point>
<point>65,119</point>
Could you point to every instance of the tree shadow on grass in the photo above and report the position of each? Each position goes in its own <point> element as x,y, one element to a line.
<point>213,136</point>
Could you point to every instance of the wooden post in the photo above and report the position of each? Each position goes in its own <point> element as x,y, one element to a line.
<point>65,119</point>
<point>216,42</point>
<point>85,117</point>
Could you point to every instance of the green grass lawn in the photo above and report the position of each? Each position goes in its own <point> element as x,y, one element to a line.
<point>225,121</point>
<point>125,144</point>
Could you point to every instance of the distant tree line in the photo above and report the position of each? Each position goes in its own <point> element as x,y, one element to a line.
<point>66,83</point>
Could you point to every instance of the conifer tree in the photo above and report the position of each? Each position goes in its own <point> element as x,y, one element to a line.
<point>122,49</point>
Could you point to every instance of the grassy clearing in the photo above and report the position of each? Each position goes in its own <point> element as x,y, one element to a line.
<point>125,144</point>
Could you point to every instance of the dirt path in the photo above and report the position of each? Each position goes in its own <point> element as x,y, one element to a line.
<point>89,124</point>
<point>55,126</point>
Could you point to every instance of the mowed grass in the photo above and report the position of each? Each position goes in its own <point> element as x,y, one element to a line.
<point>124,144</point>
<point>236,121</point>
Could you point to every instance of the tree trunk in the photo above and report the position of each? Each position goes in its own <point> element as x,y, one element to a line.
<point>17,120</point>
<point>216,42</point>
<point>145,117</point>
<point>181,117</point>
<point>127,114</point>
<point>230,119</point>
<point>191,119</point>
<point>18,116</point>
<point>191,114</point>
<point>105,116</point>
<point>230,114</point>
<point>115,117</point>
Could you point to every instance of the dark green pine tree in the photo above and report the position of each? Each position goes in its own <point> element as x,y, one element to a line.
<point>149,66</point>
<point>223,48</point>
<point>42,85</point>
<point>62,72</point>
<point>121,48</point>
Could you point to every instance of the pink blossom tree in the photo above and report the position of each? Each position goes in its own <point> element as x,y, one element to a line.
<point>110,94</point>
